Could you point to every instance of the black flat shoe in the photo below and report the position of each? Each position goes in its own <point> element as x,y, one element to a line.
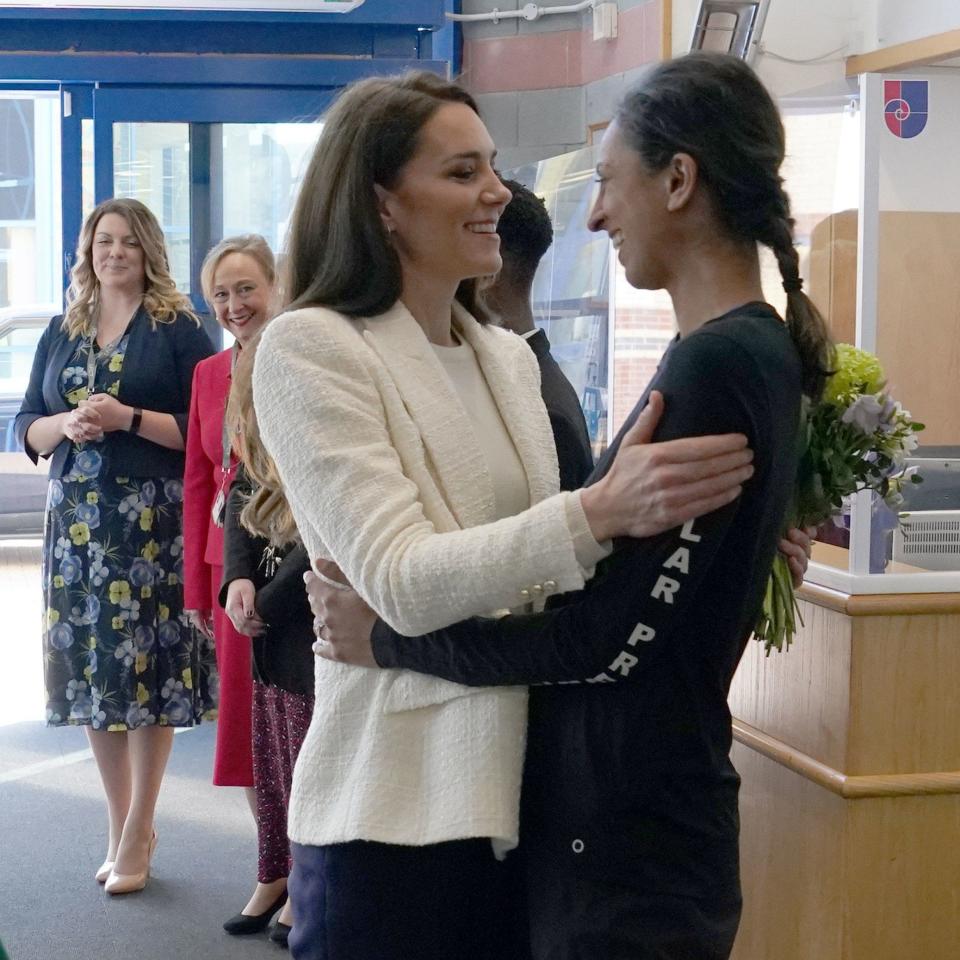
<point>279,934</point>
<point>244,923</point>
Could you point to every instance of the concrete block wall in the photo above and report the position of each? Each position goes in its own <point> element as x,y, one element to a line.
<point>542,85</point>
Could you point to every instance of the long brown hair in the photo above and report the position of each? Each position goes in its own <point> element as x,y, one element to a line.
<point>161,298</point>
<point>338,252</point>
<point>714,108</point>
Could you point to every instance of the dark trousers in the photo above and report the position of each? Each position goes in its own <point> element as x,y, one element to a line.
<point>375,901</point>
<point>577,918</point>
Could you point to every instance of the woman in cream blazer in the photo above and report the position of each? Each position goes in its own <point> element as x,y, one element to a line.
<point>386,464</point>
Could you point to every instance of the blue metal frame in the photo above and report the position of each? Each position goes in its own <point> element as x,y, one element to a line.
<point>446,42</point>
<point>428,13</point>
<point>193,105</point>
<point>71,163</point>
<point>204,70</point>
<point>231,72</point>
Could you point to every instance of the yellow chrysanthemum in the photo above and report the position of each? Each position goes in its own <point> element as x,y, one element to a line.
<point>79,534</point>
<point>114,389</point>
<point>188,678</point>
<point>146,593</point>
<point>93,497</point>
<point>163,612</point>
<point>92,643</point>
<point>143,694</point>
<point>857,372</point>
<point>58,581</point>
<point>151,550</point>
<point>88,674</point>
<point>74,397</point>
<point>117,623</point>
<point>116,363</point>
<point>53,616</point>
<point>140,664</point>
<point>117,728</point>
<point>119,591</point>
<point>172,580</point>
<point>146,519</point>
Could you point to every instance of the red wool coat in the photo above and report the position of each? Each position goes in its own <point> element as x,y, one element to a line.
<point>203,567</point>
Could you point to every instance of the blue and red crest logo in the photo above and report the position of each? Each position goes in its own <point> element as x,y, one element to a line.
<point>905,107</point>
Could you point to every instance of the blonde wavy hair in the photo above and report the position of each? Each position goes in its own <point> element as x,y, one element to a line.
<point>161,298</point>
<point>251,244</point>
<point>266,512</point>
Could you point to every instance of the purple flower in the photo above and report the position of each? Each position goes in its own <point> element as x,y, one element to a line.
<point>88,513</point>
<point>173,490</point>
<point>144,639</point>
<point>61,636</point>
<point>169,633</point>
<point>70,568</point>
<point>141,572</point>
<point>87,463</point>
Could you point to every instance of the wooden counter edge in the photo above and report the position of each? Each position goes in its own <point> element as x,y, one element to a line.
<point>850,788</point>
<point>880,604</point>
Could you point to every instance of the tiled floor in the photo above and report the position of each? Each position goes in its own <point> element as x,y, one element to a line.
<point>53,826</point>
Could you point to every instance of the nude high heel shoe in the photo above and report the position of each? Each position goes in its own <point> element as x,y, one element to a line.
<point>118,883</point>
<point>104,871</point>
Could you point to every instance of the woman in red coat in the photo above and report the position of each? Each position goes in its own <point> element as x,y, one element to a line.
<point>239,284</point>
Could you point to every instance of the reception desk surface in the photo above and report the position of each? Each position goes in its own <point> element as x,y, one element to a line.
<point>848,746</point>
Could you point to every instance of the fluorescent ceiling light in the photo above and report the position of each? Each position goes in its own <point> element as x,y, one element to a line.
<point>233,6</point>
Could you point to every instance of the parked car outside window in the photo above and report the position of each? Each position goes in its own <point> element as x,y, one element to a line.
<point>23,486</point>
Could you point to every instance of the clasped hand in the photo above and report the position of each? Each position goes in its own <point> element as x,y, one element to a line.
<point>113,414</point>
<point>95,416</point>
<point>83,424</point>
<point>341,620</point>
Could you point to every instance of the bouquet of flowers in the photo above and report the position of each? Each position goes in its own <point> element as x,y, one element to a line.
<point>856,437</point>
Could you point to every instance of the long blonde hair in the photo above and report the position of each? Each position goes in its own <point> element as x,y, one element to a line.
<point>266,512</point>
<point>161,298</point>
<point>251,244</point>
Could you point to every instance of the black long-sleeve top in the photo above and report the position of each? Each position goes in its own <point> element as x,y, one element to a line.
<point>283,654</point>
<point>628,774</point>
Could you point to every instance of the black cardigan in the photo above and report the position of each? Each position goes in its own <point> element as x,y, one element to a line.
<point>628,777</point>
<point>283,656</point>
<point>157,375</point>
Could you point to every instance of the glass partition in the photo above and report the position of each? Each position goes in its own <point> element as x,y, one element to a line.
<point>571,291</point>
<point>151,163</point>
<point>263,164</point>
<point>30,198</point>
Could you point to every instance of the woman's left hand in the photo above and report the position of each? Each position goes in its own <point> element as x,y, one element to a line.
<point>114,415</point>
<point>797,548</point>
<point>342,621</point>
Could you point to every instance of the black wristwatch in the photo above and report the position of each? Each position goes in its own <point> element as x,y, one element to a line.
<point>135,422</point>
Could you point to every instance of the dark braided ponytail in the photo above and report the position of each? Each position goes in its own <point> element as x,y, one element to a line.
<point>714,108</point>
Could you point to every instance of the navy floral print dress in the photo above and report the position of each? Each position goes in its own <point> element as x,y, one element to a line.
<point>118,651</point>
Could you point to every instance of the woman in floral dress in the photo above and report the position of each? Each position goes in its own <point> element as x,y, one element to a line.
<point>107,403</point>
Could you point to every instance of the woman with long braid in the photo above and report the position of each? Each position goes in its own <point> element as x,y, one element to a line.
<point>629,827</point>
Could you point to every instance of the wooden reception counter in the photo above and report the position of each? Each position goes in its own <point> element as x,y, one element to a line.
<point>849,749</point>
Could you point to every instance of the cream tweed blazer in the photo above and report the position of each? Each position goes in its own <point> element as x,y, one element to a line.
<point>384,474</point>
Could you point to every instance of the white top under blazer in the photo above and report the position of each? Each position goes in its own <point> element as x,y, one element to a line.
<point>385,475</point>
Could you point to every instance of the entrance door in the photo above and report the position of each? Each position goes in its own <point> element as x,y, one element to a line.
<point>208,162</point>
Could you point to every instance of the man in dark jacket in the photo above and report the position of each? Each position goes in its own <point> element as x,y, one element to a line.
<point>525,236</point>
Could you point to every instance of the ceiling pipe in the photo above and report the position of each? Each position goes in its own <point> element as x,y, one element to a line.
<point>530,11</point>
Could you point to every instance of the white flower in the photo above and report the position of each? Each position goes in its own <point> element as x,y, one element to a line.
<point>125,652</point>
<point>865,413</point>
